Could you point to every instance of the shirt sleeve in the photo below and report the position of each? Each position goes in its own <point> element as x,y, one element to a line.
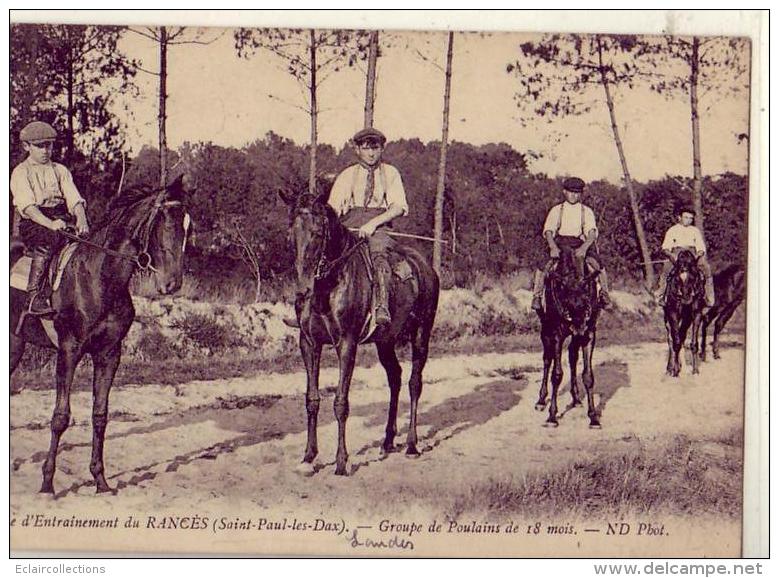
<point>669,242</point>
<point>396,194</point>
<point>552,217</point>
<point>700,246</point>
<point>68,187</point>
<point>589,222</point>
<point>339,194</point>
<point>21,191</point>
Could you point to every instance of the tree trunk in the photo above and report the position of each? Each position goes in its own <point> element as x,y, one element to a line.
<point>312,92</point>
<point>438,224</point>
<point>70,112</point>
<point>163,96</point>
<point>370,83</point>
<point>453,226</point>
<point>697,179</point>
<point>258,285</point>
<point>649,272</point>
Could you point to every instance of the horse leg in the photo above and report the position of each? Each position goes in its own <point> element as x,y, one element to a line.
<point>311,352</point>
<point>588,347</point>
<point>389,360</point>
<point>679,339</point>
<point>548,357</point>
<point>347,350</point>
<point>68,357</point>
<point>719,324</point>
<point>557,378</point>
<point>694,330</point>
<point>419,352</point>
<point>17,345</point>
<point>705,321</point>
<point>573,360</point>
<point>669,331</point>
<point>105,364</point>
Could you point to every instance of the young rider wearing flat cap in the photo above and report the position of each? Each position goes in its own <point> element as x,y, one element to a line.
<point>48,201</point>
<point>571,223</point>
<point>368,196</point>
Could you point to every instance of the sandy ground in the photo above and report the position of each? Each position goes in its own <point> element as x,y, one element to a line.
<point>222,457</point>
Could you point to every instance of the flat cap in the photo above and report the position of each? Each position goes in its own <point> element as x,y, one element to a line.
<point>369,134</point>
<point>574,184</point>
<point>37,131</point>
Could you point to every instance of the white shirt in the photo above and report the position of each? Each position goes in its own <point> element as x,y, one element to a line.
<point>349,189</point>
<point>570,220</point>
<point>681,236</point>
<point>42,185</point>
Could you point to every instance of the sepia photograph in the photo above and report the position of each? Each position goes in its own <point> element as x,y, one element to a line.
<point>325,289</point>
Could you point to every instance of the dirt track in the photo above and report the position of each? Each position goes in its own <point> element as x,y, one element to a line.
<point>232,447</point>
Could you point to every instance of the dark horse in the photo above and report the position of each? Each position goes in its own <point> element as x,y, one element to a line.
<point>334,289</point>
<point>684,302</point>
<point>571,309</point>
<point>93,307</point>
<point>729,289</point>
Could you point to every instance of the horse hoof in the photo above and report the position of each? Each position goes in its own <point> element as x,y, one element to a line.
<point>47,489</point>
<point>595,425</point>
<point>387,450</point>
<point>412,452</point>
<point>305,469</point>
<point>106,490</point>
<point>341,471</point>
<point>540,406</point>
<point>551,424</point>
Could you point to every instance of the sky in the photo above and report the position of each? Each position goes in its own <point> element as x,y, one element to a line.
<point>216,96</point>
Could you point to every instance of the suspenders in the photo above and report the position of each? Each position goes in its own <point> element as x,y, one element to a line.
<point>560,218</point>
<point>382,179</point>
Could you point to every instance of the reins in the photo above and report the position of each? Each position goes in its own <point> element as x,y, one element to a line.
<point>323,268</point>
<point>143,259</point>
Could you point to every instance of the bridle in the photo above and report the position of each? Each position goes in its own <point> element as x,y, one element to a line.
<point>556,286</point>
<point>324,267</point>
<point>143,259</point>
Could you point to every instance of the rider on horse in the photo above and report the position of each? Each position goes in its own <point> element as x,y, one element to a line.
<point>684,235</point>
<point>368,196</point>
<point>572,224</point>
<point>48,201</point>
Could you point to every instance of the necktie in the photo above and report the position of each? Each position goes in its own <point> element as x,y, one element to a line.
<point>370,182</point>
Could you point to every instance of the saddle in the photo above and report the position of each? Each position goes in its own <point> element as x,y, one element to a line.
<point>20,271</point>
<point>401,272</point>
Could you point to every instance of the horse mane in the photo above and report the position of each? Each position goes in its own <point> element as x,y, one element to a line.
<point>318,206</point>
<point>123,210</point>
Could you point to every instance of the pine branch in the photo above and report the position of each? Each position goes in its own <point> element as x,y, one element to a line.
<point>151,36</point>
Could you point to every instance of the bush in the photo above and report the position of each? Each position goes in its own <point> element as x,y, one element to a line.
<point>205,332</point>
<point>153,345</point>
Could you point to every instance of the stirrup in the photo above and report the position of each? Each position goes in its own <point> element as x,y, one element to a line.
<point>382,316</point>
<point>44,310</point>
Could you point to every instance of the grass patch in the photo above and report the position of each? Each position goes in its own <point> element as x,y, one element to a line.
<point>683,476</point>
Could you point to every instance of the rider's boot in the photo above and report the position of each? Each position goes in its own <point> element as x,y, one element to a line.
<point>603,296</point>
<point>382,275</point>
<point>538,291</point>
<point>709,288</point>
<point>659,293</point>
<point>37,287</point>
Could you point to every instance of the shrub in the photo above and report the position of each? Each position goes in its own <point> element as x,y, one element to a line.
<point>206,332</point>
<point>153,345</point>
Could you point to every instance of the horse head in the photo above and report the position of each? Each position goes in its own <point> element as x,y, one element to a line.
<point>686,282</point>
<point>312,227</point>
<point>166,237</point>
<point>157,224</point>
<point>573,291</point>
